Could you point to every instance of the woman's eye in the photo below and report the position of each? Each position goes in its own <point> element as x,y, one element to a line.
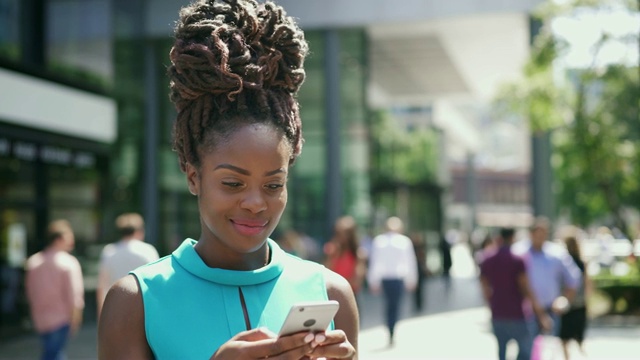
<point>275,186</point>
<point>231,184</point>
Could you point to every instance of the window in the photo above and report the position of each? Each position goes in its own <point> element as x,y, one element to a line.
<point>10,30</point>
<point>79,40</point>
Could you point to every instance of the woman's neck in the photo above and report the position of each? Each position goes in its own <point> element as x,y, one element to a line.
<point>225,258</point>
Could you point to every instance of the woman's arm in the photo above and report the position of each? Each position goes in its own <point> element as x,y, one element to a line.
<point>347,319</point>
<point>121,332</point>
<point>361,269</point>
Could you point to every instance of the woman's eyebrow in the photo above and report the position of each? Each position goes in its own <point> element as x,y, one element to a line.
<point>247,172</point>
<point>233,168</point>
<point>275,172</point>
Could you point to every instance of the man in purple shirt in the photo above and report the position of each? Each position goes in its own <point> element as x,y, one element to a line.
<point>505,287</point>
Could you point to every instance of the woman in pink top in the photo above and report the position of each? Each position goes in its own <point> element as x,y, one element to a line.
<point>55,290</point>
<point>343,253</point>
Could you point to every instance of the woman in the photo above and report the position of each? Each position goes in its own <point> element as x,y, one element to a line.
<point>343,253</point>
<point>236,67</point>
<point>574,322</point>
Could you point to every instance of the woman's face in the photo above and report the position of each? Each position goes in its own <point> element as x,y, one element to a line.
<point>241,188</point>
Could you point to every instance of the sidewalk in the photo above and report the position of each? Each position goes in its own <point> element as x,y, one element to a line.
<point>466,334</point>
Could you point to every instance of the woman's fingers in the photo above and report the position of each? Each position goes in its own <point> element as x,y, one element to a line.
<point>263,344</point>
<point>332,344</point>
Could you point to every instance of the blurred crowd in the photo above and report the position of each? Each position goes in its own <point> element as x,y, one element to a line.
<point>537,286</point>
<point>545,277</point>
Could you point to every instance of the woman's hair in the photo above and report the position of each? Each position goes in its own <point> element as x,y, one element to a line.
<point>570,236</point>
<point>346,226</point>
<point>233,63</point>
<point>573,247</point>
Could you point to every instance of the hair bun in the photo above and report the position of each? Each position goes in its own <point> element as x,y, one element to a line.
<point>224,47</point>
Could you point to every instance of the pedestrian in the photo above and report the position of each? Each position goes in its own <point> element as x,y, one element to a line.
<point>128,253</point>
<point>291,243</point>
<point>55,290</point>
<point>605,240</point>
<point>487,247</point>
<point>313,251</point>
<point>420,249</point>
<point>573,323</point>
<point>505,287</point>
<point>300,244</point>
<point>343,253</point>
<point>236,67</point>
<point>447,261</point>
<point>552,274</point>
<point>392,267</point>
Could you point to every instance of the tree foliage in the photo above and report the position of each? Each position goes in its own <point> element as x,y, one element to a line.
<point>596,156</point>
<point>593,114</point>
<point>401,157</point>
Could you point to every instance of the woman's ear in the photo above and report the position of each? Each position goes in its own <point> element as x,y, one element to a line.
<point>193,179</point>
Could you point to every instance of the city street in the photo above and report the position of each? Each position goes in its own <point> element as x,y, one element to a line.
<point>453,324</point>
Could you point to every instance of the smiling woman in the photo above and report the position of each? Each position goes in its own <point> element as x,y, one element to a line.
<point>236,69</point>
<point>241,195</point>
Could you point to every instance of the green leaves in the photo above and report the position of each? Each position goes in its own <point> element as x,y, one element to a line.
<point>400,155</point>
<point>594,116</point>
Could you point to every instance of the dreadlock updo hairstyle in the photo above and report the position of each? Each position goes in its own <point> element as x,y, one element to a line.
<point>233,63</point>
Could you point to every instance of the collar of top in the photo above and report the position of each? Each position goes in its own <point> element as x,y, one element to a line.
<point>189,259</point>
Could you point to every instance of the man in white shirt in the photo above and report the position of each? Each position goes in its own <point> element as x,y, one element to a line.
<point>117,259</point>
<point>392,267</point>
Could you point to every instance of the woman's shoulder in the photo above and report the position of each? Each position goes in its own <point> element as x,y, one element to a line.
<point>337,285</point>
<point>123,301</point>
<point>121,325</point>
<point>126,288</point>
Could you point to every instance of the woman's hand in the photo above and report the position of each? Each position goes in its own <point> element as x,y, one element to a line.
<point>263,344</point>
<point>332,344</point>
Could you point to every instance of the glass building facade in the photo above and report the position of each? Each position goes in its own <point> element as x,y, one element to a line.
<point>308,187</point>
<point>55,136</point>
<point>103,48</point>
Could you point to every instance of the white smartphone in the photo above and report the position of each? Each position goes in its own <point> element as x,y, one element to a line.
<point>309,316</point>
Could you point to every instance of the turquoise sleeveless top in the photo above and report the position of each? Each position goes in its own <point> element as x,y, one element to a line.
<point>190,309</point>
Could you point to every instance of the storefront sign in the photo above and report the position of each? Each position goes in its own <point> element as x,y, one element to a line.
<point>48,154</point>
<point>55,155</point>
<point>24,150</point>
<point>84,160</point>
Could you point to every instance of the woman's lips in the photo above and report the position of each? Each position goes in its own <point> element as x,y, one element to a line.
<point>249,228</point>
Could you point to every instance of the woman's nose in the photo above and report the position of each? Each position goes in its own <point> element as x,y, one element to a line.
<point>254,201</point>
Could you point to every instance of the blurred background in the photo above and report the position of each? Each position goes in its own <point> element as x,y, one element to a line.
<point>457,116</point>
